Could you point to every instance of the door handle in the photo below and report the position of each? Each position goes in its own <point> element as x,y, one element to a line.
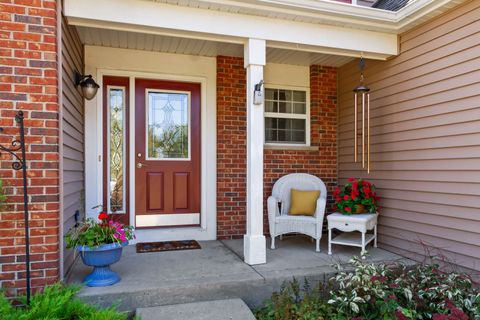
<point>140,165</point>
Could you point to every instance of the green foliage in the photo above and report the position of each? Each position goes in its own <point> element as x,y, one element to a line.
<point>57,302</point>
<point>3,196</point>
<point>93,234</point>
<point>390,292</point>
<point>381,291</point>
<point>295,303</point>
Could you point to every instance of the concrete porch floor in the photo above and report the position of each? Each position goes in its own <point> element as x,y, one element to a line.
<point>216,271</point>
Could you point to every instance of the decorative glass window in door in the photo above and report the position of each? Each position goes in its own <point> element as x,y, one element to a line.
<point>168,132</point>
<point>116,147</point>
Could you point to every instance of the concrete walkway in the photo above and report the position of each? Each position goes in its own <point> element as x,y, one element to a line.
<point>230,309</point>
<point>215,272</point>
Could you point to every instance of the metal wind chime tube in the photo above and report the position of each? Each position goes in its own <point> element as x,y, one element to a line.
<point>362,90</point>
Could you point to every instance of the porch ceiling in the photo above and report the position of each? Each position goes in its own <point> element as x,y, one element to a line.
<point>178,45</point>
<point>148,17</point>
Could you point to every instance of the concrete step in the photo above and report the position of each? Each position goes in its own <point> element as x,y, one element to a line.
<point>215,272</point>
<point>230,309</point>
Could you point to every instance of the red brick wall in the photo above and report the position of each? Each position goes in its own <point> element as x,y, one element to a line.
<point>231,143</point>
<point>231,147</point>
<point>323,133</point>
<point>28,82</point>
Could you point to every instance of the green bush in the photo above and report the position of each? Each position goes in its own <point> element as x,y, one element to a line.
<point>380,291</point>
<point>295,302</point>
<point>57,302</point>
<point>3,196</point>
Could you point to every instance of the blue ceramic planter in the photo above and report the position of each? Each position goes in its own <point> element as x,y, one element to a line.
<point>100,259</point>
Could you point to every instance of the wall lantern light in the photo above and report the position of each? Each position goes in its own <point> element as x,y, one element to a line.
<point>87,84</point>
<point>362,98</point>
<point>258,94</point>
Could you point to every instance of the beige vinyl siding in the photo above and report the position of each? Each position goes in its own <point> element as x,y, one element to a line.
<point>425,137</point>
<point>72,134</point>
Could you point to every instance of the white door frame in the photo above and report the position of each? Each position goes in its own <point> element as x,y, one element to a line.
<point>208,220</point>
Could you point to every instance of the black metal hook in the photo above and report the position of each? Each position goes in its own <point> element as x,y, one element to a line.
<point>19,163</point>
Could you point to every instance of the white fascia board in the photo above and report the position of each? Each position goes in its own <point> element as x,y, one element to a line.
<point>335,12</point>
<point>138,15</point>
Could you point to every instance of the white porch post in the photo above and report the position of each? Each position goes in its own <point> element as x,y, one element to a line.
<point>254,244</point>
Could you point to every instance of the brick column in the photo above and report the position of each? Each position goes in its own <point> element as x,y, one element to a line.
<point>28,82</point>
<point>231,147</point>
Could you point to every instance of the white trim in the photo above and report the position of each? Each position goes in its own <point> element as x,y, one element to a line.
<point>254,244</point>
<point>189,123</point>
<point>305,116</point>
<point>124,146</point>
<point>164,220</point>
<point>207,229</point>
<point>159,18</point>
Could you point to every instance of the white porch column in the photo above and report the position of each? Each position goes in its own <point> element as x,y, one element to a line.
<point>254,244</point>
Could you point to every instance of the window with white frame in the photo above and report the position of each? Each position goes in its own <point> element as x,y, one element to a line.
<point>287,116</point>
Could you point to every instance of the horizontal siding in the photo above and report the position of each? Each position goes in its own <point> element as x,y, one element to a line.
<point>425,138</point>
<point>72,134</point>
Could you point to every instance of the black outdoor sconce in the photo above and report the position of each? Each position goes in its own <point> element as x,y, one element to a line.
<point>87,84</point>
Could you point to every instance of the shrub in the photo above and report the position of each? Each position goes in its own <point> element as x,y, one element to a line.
<point>57,302</point>
<point>294,302</point>
<point>382,292</point>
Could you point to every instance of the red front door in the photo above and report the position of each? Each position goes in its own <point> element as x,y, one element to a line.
<point>167,153</point>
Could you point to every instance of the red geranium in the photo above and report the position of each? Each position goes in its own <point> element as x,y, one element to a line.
<point>103,216</point>
<point>354,195</point>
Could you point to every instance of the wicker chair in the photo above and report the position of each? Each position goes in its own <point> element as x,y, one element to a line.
<point>281,222</point>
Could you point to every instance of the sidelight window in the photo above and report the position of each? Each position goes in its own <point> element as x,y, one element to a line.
<point>116,168</point>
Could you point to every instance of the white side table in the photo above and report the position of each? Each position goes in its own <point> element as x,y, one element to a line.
<point>347,224</point>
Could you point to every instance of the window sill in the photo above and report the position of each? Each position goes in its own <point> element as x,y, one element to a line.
<point>289,147</point>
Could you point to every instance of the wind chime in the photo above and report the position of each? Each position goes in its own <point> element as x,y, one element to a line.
<point>362,99</point>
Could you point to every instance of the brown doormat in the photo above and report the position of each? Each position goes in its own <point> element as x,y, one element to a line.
<point>167,246</point>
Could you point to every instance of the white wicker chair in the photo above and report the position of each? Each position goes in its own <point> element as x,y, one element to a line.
<point>280,222</point>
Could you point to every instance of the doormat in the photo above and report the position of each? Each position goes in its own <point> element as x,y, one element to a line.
<point>167,246</point>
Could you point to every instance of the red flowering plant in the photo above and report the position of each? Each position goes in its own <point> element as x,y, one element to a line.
<point>94,233</point>
<point>356,196</point>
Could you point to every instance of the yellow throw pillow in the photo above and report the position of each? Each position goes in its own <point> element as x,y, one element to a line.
<point>303,202</point>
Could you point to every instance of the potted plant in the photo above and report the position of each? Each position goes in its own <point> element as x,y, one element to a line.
<point>356,196</point>
<point>100,243</point>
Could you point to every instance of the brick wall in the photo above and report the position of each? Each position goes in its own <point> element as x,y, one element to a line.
<point>231,143</point>
<point>231,147</point>
<point>323,126</point>
<point>28,82</point>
